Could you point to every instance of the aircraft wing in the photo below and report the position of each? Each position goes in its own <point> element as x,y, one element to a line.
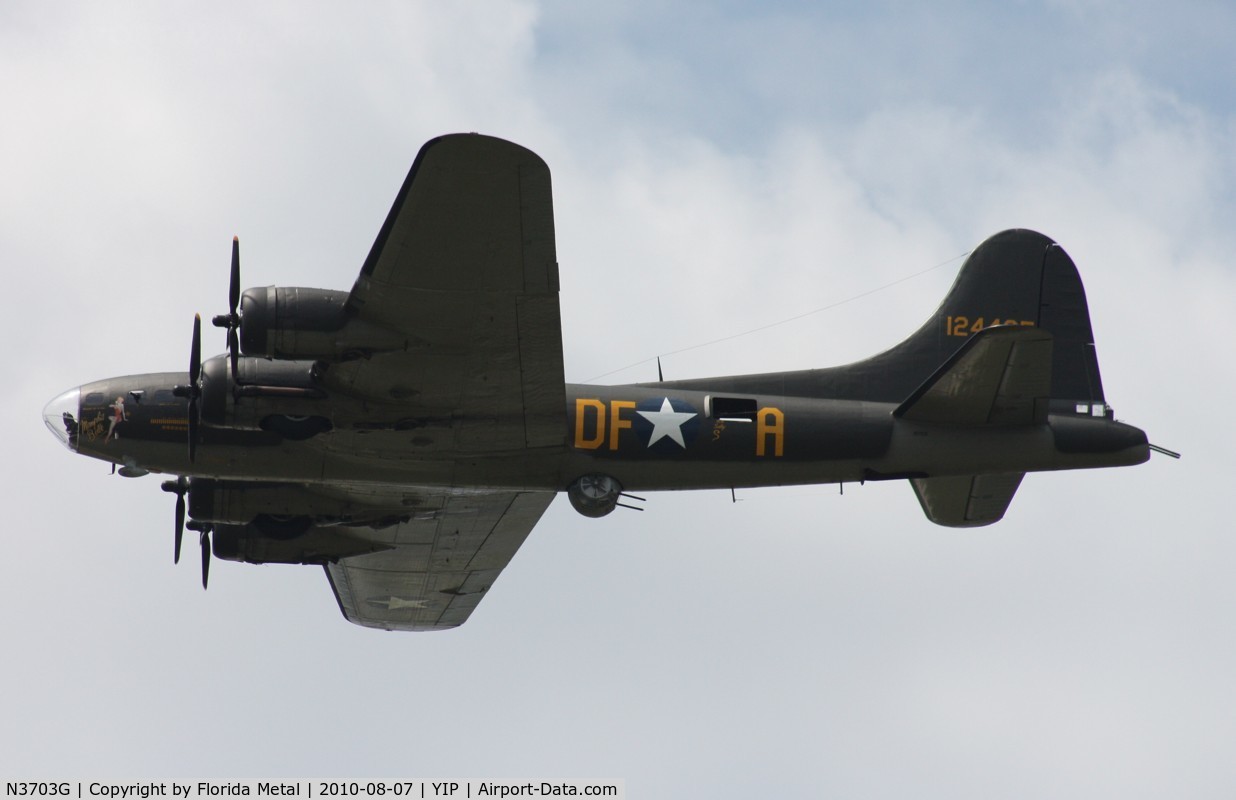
<point>397,557</point>
<point>464,269</point>
<point>439,564</point>
<point>1000,376</point>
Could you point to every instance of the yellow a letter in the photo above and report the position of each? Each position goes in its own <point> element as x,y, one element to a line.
<point>770,422</point>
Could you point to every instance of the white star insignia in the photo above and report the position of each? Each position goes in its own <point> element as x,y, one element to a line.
<point>666,422</point>
<point>393,603</point>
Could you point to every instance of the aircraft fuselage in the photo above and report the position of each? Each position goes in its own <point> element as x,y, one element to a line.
<point>646,436</point>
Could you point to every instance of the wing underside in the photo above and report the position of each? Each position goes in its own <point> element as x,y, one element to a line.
<point>465,270</point>
<point>440,564</point>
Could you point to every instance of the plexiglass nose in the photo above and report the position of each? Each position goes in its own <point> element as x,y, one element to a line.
<point>61,416</point>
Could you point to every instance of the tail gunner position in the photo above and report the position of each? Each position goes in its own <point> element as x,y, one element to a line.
<point>407,435</point>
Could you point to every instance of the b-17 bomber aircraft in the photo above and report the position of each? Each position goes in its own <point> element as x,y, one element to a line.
<point>407,435</point>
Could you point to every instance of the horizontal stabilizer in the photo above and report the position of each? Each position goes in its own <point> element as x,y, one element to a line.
<point>966,501</point>
<point>1000,376</point>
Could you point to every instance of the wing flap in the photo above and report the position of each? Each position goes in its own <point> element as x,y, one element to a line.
<point>1000,376</point>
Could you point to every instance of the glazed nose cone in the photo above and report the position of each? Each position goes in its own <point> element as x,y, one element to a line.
<point>61,416</point>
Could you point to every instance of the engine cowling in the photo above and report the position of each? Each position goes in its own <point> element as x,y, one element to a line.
<point>299,323</point>
<point>281,396</point>
<point>280,510</point>
<point>248,543</point>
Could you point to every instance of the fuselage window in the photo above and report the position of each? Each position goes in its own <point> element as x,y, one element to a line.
<point>732,409</point>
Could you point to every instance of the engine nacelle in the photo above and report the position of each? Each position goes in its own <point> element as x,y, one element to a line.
<point>280,396</point>
<point>250,544</point>
<point>594,495</point>
<point>280,510</point>
<point>298,323</point>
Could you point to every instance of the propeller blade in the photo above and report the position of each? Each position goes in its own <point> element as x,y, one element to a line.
<point>231,320</point>
<point>233,293</point>
<point>195,351</point>
<point>233,349</point>
<point>180,524</point>
<point>178,487</point>
<point>204,540</point>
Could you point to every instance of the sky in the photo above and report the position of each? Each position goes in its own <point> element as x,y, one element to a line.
<point>717,168</point>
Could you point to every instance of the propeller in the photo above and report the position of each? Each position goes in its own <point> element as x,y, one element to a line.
<point>179,487</point>
<point>231,320</point>
<point>193,390</point>
<point>203,529</point>
<point>204,540</point>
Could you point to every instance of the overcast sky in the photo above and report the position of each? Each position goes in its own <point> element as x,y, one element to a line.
<point>717,167</point>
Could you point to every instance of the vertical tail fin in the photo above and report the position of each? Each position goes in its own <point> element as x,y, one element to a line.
<point>1017,277</point>
<point>1024,278</point>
